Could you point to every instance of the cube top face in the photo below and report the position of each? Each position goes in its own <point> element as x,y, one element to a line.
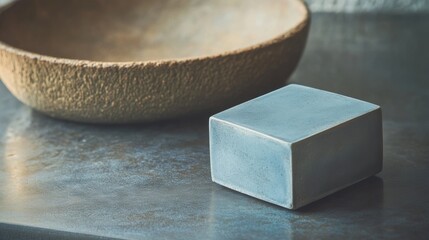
<point>295,112</point>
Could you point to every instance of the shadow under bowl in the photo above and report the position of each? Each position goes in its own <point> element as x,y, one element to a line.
<point>136,61</point>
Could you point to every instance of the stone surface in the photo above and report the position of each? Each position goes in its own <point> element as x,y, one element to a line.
<point>152,181</point>
<point>84,61</point>
<point>295,145</point>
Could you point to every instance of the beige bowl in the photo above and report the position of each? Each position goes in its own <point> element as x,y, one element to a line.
<point>111,61</point>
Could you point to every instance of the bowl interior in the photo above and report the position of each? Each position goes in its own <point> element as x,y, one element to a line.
<point>136,30</point>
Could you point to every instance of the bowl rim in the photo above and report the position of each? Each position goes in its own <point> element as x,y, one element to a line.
<point>302,24</point>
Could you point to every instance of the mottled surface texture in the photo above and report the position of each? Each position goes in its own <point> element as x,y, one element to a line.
<point>147,60</point>
<point>153,180</point>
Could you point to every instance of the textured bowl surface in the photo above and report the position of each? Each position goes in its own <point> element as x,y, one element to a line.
<point>111,61</point>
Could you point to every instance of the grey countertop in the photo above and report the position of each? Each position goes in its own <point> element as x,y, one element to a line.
<point>75,181</point>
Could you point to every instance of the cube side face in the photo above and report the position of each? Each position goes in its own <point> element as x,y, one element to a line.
<point>337,158</point>
<point>250,162</point>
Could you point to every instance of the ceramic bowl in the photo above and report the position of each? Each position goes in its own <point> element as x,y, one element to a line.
<point>111,61</point>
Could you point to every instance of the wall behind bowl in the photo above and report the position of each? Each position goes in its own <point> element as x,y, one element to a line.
<point>393,6</point>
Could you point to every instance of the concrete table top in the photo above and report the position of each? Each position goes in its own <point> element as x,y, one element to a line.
<point>63,180</point>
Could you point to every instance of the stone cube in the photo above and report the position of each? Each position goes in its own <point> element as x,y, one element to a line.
<point>295,145</point>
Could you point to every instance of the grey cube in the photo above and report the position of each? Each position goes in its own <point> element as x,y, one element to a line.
<point>295,145</point>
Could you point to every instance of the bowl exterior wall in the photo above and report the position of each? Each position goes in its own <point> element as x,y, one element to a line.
<point>140,92</point>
